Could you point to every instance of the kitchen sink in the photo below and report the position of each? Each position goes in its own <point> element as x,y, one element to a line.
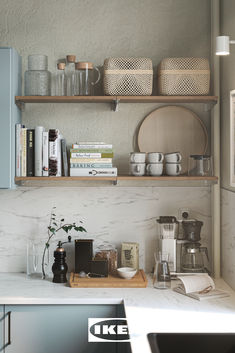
<point>192,342</point>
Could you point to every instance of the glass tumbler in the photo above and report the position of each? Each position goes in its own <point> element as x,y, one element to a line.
<point>162,278</point>
<point>32,258</point>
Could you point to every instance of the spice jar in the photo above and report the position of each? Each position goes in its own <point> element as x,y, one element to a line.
<point>107,252</point>
<point>37,78</point>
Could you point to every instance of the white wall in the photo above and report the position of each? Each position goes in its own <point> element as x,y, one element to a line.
<point>113,214</point>
<point>94,30</point>
<point>227,192</point>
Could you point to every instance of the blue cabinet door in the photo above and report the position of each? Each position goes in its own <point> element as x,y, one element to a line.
<point>10,86</point>
<point>55,328</point>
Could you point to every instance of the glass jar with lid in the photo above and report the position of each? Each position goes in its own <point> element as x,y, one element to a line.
<point>37,77</point>
<point>60,80</point>
<point>84,78</point>
<point>108,252</point>
<point>70,75</point>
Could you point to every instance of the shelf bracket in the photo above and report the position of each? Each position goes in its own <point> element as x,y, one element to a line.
<point>115,105</point>
<point>20,105</point>
<point>115,182</point>
<point>209,106</point>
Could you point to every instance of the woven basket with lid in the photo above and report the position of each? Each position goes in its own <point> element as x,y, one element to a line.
<point>128,76</point>
<point>184,76</point>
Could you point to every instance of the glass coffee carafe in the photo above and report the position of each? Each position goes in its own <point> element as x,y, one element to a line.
<point>194,258</point>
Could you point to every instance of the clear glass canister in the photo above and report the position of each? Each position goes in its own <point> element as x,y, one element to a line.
<point>84,78</point>
<point>107,252</point>
<point>70,75</point>
<point>37,78</point>
<point>60,80</point>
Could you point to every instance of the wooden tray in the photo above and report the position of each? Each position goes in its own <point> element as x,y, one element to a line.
<point>138,281</point>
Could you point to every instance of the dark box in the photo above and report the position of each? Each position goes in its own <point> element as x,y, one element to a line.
<point>83,254</point>
<point>99,267</point>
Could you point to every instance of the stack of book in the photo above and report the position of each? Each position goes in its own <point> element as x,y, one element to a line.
<point>40,152</point>
<point>92,159</point>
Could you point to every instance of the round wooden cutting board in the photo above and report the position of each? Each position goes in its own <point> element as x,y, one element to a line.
<point>173,129</point>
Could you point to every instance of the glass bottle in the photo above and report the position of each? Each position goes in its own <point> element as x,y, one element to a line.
<point>60,80</point>
<point>84,78</point>
<point>37,78</point>
<point>70,74</point>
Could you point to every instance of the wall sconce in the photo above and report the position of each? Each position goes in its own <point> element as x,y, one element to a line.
<point>222,45</point>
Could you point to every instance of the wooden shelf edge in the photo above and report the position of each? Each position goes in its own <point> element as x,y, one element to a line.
<point>120,99</point>
<point>121,177</point>
<point>18,179</point>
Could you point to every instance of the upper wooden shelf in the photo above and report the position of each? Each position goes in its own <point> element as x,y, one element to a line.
<point>121,180</point>
<point>115,99</point>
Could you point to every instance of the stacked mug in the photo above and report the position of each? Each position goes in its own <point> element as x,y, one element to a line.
<point>173,163</point>
<point>155,163</point>
<point>137,163</point>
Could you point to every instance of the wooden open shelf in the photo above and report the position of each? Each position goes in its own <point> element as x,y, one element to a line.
<point>121,99</point>
<point>121,180</point>
<point>115,100</point>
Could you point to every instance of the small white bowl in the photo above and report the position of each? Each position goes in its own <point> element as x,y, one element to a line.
<point>126,272</point>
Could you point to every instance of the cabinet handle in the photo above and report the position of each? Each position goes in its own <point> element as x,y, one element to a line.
<point>9,328</point>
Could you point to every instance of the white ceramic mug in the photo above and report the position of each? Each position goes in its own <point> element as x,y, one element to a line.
<point>137,169</point>
<point>173,157</point>
<point>173,168</point>
<point>137,157</point>
<point>155,157</point>
<point>154,169</point>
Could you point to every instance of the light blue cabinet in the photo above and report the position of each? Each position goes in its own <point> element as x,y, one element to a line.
<point>10,86</point>
<point>1,328</point>
<point>57,328</point>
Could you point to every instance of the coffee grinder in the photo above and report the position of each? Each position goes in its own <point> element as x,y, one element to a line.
<point>59,267</point>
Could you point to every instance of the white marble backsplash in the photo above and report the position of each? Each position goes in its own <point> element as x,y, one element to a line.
<point>114,214</point>
<point>228,236</point>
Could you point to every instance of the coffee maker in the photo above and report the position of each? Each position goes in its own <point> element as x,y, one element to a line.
<point>167,235</point>
<point>193,255</point>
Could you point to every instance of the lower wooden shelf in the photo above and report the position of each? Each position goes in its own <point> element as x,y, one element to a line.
<point>120,180</point>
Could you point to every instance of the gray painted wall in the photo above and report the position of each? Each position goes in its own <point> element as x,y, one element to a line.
<point>94,30</point>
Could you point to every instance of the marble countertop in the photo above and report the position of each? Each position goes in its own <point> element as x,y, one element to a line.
<point>147,309</point>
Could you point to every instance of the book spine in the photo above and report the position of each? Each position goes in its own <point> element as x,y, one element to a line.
<point>24,152</point>
<point>91,160</point>
<point>45,156</point>
<point>59,157</point>
<point>18,169</point>
<point>91,150</point>
<point>65,169</point>
<point>93,172</point>
<point>90,155</point>
<point>30,152</point>
<point>54,153</point>
<point>90,165</point>
<point>91,146</point>
<point>38,150</point>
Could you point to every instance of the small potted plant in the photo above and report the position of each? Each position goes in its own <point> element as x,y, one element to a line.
<point>55,225</point>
